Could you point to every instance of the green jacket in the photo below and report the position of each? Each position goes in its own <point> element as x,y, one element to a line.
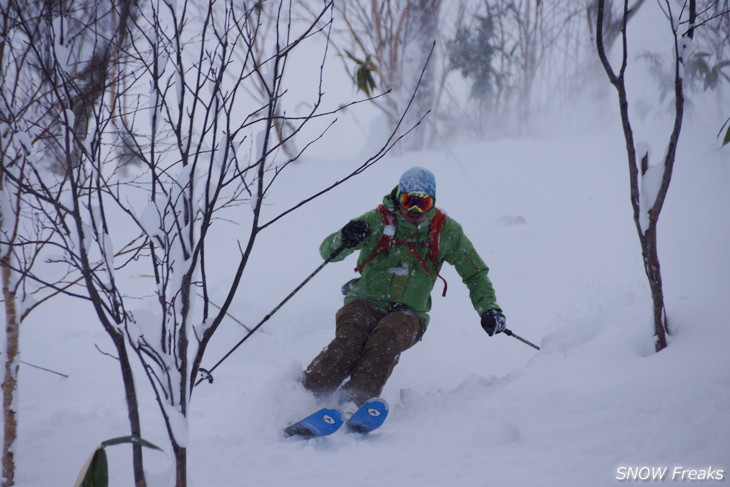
<point>397,277</point>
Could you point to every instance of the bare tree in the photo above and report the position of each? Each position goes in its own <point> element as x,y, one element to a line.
<point>373,48</point>
<point>13,317</point>
<point>532,53</point>
<point>422,33</point>
<point>21,243</point>
<point>650,183</point>
<point>613,20</point>
<point>27,120</point>
<point>385,45</point>
<point>10,153</point>
<point>264,22</point>
<point>206,150</point>
<point>707,67</point>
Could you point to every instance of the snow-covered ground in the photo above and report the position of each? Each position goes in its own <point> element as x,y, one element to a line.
<point>552,219</point>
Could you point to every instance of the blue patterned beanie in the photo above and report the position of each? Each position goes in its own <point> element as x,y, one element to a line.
<point>418,180</point>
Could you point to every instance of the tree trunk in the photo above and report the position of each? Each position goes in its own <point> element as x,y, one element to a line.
<point>10,382</point>
<point>181,459</point>
<point>12,360</point>
<point>653,273</point>
<point>648,235</point>
<point>132,409</point>
<point>423,19</point>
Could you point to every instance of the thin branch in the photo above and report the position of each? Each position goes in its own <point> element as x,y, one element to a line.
<point>387,147</point>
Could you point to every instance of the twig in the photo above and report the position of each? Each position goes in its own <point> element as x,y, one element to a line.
<point>41,368</point>
<point>105,353</point>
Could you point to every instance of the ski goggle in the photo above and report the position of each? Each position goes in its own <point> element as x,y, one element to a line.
<point>415,201</point>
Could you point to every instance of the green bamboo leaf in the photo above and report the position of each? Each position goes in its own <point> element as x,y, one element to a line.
<point>97,473</point>
<point>364,80</point>
<point>364,74</point>
<point>129,439</point>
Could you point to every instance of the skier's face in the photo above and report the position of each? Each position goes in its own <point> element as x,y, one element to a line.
<point>414,217</point>
<point>415,207</point>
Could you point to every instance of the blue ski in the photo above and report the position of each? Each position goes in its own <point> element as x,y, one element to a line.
<point>322,423</point>
<point>369,417</point>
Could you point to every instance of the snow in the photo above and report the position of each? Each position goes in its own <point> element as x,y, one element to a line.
<point>70,118</point>
<point>466,409</point>
<point>685,48</point>
<point>650,185</point>
<point>399,271</point>
<point>150,220</point>
<point>178,424</point>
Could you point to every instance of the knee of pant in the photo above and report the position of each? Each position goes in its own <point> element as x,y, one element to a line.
<point>359,313</point>
<point>399,330</point>
<point>350,336</point>
<point>389,336</point>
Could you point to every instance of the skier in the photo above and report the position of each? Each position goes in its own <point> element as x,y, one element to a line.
<point>403,244</point>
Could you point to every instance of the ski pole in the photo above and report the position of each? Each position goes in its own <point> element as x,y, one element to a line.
<point>509,333</point>
<point>227,313</point>
<point>207,374</point>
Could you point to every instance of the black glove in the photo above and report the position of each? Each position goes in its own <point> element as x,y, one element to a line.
<point>354,232</point>
<point>493,321</point>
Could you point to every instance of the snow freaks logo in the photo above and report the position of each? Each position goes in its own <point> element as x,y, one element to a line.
<point>647,474</point>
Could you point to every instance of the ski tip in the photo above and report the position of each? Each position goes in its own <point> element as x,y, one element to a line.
<point>380,400</point>
<point>379,403</point>
<point>322,423</point>
<point>369,417</point>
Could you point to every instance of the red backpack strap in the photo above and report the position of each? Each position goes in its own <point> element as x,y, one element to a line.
<point>386,241</point>
<point>386,238</point>
<point>434,235</point>
<point>434,239</point>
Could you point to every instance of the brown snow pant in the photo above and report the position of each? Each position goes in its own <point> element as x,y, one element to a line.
<point>367,346</point>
